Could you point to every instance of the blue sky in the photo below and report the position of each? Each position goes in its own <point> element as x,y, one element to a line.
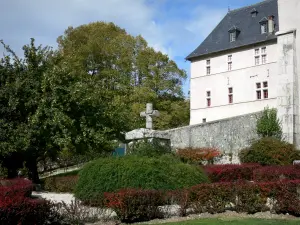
<point>175,27</point>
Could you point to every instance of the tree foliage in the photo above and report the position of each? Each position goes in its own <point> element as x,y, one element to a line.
<point>128,71</point>
<point>46,107</point>
<point>83,97</point>
<point>268,125</point>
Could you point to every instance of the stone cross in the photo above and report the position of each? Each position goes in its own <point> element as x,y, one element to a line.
<point>149,113</point>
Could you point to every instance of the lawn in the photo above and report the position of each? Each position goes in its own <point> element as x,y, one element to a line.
<point>234,221</point>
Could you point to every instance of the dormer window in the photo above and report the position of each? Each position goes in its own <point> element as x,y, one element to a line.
<point>254,12</point>
<point>232,36</point>
<point>263,25</point>
<point>263,28</point>
<point>233,33</point>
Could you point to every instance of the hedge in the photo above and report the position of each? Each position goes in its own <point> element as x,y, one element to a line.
<point>133,205</point>
<point>15,187</point>
<point>270,151</point>
<point>16,206</point>
<point>139,205</point>
<point>230,172</point>
<point>112,174</point>
<point>275,173</point>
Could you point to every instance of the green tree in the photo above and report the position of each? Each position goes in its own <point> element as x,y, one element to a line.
<point>268,125</point>
<point>46,107</point>
<point>130,72</point>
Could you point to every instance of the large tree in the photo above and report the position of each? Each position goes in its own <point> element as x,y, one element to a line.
<point>46,108</point>
<point>129,71</point>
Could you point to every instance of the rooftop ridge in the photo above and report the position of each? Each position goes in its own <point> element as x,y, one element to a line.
<point>250,6</point>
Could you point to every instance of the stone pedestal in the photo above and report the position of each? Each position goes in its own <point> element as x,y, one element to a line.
<point>149,135</point>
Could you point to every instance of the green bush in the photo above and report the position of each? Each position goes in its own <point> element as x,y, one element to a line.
<point>150,149</point>
<point>112,174</point>
<point>268,125</point>
<point>269,151</point>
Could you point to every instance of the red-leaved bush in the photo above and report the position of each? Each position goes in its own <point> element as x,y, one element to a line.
<point>198,155</point>
<point>16,206</point>
<point>15,187</point>
<point>276,173</point>
<point>133,205</point>
<point>21,210</point>
<point>230,172</point>
<point>250,197</point>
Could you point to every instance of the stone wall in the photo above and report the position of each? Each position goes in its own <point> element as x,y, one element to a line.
<point>229,135</point>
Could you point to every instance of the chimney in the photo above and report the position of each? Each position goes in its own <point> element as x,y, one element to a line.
<point>271,24</point>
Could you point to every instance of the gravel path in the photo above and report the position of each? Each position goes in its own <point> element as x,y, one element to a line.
<point>55,197</point>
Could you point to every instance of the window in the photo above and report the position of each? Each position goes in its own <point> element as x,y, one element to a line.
<point>229,66</point>
<point>262,89</point>
<point>208,100</point>
<point>208,67</point>
<point>258,91</point>
<point>257,60</point>
<point>204,120</point>
<point>258,85</point>
<point>230,58</point>
<point>229,62</point>
<point>230,95</point>
<point>258,95</point>
<point>260,53</point>
<point>263,28</point>
<point>232,36</point>
<point>266,94</point>
<point>263,59</point>
<point>208,70</point>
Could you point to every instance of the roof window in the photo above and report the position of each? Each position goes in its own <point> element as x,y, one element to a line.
<point>233,33</point>
<point>263,25</point>
<point>254,12</point>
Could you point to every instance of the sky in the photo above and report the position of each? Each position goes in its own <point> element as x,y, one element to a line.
<point>175,27</point>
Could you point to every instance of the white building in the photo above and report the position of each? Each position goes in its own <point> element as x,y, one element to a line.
<point>250,61</point>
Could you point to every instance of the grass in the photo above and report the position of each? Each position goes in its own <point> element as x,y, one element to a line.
<point>235,221</point>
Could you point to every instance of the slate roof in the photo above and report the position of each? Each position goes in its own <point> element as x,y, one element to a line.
<point>248,26</point>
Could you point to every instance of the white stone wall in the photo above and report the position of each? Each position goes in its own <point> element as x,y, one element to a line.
<point>289,68</point>
<point>242,78</point>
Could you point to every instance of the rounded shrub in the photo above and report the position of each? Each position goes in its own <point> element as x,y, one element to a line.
<point>269,151</point>
<point>112,174</point>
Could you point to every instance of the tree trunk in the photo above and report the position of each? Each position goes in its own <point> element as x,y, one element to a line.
<point>33,175</point>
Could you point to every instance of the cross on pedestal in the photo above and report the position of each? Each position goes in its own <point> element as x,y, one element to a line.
<point>149,113</point>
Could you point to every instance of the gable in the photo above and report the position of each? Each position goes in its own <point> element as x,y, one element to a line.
<point>248,26</point>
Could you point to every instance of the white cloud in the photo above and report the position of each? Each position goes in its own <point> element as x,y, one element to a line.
<point>176,35</point>
<point>46,20</point>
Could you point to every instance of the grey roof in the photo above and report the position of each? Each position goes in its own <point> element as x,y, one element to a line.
<point>248,26</point>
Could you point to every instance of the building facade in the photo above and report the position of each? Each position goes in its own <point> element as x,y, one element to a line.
<point>248,62</point>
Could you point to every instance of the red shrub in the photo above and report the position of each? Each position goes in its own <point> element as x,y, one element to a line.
<point>135,205</point>
<point>276,173</point>
<point>25,211</point>
<point>15,187</point>
<point>287,196</point>
<point>197,155</point>
<point>251,198</point>
<point>212,198</point>
<point>230,172</point>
